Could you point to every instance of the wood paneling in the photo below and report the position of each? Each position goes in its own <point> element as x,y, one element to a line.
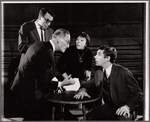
<point>17,14</point>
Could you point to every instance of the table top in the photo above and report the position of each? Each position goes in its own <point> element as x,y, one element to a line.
<point>66,97</point>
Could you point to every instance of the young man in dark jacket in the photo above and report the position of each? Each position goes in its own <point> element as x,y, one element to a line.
<point>117,87</point>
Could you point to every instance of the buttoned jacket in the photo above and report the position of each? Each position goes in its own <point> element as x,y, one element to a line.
<point>124,89</point>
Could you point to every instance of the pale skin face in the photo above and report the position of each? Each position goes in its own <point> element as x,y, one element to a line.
<point>45,21</point>
<point>99,58</point>
<point>80,43</point>
<point>63,42</point>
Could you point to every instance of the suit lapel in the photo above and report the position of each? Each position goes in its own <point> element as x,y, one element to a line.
<point>113,82</point>
<point>113,74</point>
<point>36,34</point>
<point>34,30</point>
<point>99,80</point>
<point>53,66</point>
<point>47,34</point>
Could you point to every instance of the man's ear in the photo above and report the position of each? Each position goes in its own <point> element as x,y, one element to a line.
<point>57,40</point>
<point>108,58</point>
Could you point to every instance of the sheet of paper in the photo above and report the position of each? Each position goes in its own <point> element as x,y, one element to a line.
<point>73,87</point>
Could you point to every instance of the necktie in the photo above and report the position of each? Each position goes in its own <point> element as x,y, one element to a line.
<point>41,34</point>
<point>106,88</point>
<point>105,76</point>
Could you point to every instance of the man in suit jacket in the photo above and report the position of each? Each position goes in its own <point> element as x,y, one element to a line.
<point>30,31</point>
<point>36,76</point>
<point>119,89</point>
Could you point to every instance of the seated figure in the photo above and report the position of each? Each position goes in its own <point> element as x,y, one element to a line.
<point>115,84</point>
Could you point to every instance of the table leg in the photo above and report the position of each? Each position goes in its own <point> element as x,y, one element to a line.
<point>80,106</point>
<point>53,113</point>
<point>62,111</point>
<point>84,113</point>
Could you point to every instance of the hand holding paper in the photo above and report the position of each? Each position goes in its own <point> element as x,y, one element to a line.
<point>73,87</point>
<point>67,81</point>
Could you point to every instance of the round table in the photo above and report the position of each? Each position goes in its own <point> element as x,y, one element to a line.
<point>66,97</point>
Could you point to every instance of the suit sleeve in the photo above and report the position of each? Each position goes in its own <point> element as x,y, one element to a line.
<point>90,59</point>
<point>46,71</point>
<point>94,85</point>
<point>136,93</point>
<point>89,86</point>
<point>62,62</point>
<point>23,42</point>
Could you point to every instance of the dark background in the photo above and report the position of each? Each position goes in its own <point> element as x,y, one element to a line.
<point>121,25</point>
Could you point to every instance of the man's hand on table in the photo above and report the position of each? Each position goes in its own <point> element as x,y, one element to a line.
<point>67,81</point>
<point>81,94</point>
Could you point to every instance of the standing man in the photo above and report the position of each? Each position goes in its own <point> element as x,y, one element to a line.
<point>36,77</point>
<point>119,89</point>
<point>35,30</point>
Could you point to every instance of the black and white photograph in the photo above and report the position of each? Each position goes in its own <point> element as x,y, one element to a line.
<point>74,61</point>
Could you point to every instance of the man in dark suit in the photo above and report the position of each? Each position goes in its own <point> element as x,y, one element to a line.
<point>35,30</point>
<point>117,87</point>
<point>36,77</point>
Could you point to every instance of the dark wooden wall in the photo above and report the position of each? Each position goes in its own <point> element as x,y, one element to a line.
<point>117,24</point>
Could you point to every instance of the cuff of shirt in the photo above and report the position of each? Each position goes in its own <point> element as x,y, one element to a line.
<point>59,84</point>
<point>55,79</point>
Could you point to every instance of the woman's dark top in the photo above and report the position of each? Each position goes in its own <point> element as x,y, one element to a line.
<point>69,62</point>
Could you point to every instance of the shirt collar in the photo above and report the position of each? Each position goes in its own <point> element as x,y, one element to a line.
<point>37,25</point>
<point>52,45</point>
<point>108,70</point>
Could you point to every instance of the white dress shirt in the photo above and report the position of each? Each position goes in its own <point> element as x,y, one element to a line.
<point>108,71</point>
<point>53,46</point>
<point>39,30</point>
<point>54,79</point>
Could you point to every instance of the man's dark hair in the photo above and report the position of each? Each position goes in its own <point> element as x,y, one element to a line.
<point>109,51</point>
<point>86,36</point>
<point>43,11</point>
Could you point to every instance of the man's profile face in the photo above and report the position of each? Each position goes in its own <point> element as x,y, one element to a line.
<point>64,42</point>
<point>99,58</point>
<point>46,20</point>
